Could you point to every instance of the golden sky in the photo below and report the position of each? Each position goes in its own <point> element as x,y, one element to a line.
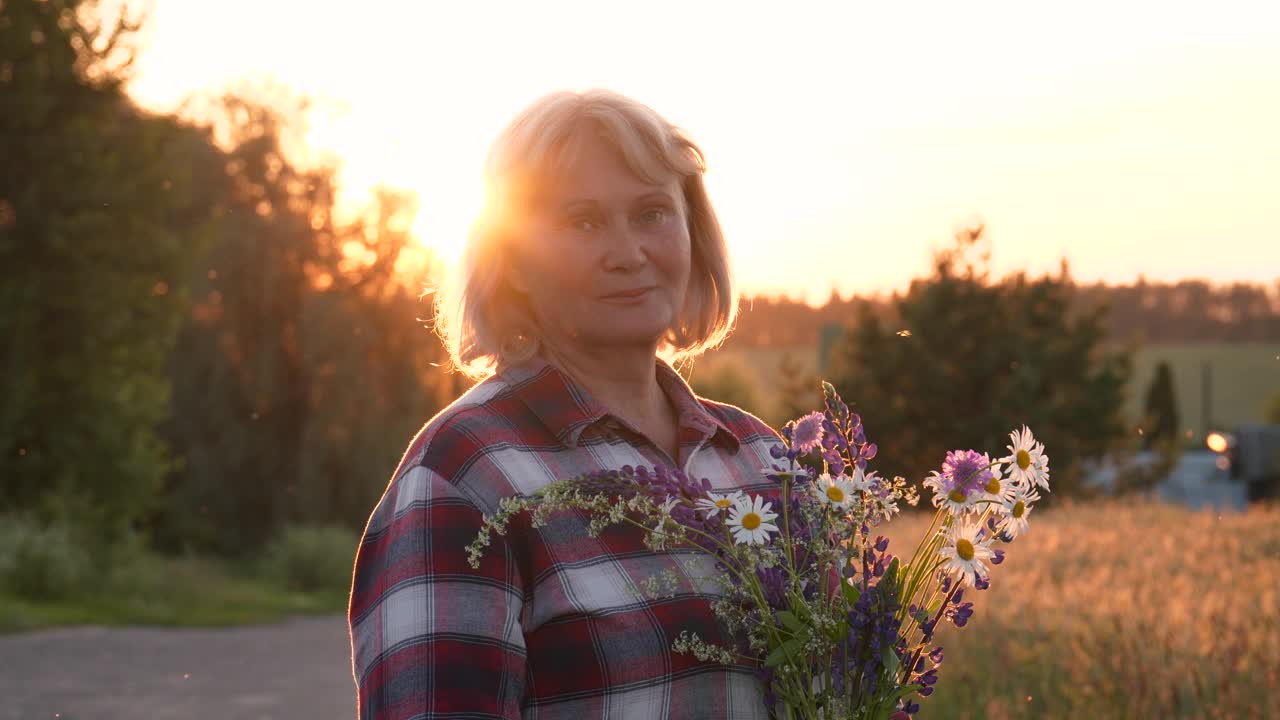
<point>845,140</point>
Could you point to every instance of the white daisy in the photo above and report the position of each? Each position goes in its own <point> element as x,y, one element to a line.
<point>749,520</point>
<point>998,488</point>
<point>862,481</point>
<point>837,491</point>
<point>713,503</point>
<point>664,514</point>
<point>886,507</point>
<point>1015,509</point>
<point>965,554</point>
<point>1028,465</point>
<point>956,501</point>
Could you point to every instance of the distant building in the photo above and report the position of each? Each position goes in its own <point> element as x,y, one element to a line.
<point>1254,453</point>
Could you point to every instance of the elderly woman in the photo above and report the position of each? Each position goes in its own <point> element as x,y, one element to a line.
<point>597,261</point>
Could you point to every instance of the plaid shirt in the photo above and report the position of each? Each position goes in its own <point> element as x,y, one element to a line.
<point>554,623</point>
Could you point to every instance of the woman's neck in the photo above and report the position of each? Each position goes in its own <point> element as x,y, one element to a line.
<point>624,381</point>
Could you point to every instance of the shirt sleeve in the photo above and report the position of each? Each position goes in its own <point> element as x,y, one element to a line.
<point>430,636</point>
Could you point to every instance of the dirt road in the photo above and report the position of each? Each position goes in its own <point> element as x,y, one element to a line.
<point>295,669</point>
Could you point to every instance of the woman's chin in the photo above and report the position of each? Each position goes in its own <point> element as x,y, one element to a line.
<point>627,337</point>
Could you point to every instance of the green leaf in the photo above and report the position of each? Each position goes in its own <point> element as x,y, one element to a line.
<point>888,705</point>
<point>787,649</point>
<point>851,593</point>
<point>790,621</point>
<point>892,572</point>
<point>891,661</point>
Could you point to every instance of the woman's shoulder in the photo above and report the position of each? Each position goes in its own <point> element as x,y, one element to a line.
<point>487,418</point>
<point>745,426</point>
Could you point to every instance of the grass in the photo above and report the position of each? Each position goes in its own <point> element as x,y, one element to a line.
<point>156,590</point>
<point>1121,610</point>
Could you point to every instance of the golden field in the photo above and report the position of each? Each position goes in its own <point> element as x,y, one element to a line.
<point>1120,609</point>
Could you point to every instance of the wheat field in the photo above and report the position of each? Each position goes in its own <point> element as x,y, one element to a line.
<point>1120,609</point>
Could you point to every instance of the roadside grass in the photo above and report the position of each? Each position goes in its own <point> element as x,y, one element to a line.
<point>145,588</point>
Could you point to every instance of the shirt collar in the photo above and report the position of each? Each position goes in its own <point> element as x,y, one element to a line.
<point>566,408</point>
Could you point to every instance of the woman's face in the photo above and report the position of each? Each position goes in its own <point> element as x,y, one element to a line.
<point>606,260</point>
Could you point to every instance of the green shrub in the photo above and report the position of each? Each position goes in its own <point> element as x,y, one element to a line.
<point>41,561</point>
<point>311,558</point>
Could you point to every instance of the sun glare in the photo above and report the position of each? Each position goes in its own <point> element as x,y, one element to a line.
<point>446,214</point>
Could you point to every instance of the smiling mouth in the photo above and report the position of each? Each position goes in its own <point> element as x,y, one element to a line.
<point>629,294</point>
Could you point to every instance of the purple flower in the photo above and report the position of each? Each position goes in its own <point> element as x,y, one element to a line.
<point>807,434</point>
<point>965,471</point>
<point>960,614</point>
<point>774,583</point>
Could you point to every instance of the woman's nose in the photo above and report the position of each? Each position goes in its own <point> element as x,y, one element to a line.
<point>626,250</point>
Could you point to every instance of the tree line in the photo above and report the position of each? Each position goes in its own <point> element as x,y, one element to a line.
<point>1186,311</point>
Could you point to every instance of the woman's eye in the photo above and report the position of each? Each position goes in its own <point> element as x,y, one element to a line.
<point>583,223</point>
<point>653,216</point>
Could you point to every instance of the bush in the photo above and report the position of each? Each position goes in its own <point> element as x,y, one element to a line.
<point>311,558</point>
<point>42,562</point>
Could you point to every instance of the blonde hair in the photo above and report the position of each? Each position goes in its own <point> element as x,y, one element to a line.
<point>483,322</point>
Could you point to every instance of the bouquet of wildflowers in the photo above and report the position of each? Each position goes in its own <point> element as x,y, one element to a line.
<point>837,625</point>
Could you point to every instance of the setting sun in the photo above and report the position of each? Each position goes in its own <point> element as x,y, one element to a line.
<point>446,213</point>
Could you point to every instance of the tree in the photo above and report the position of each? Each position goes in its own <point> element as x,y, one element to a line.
<point>799,390</point>
<point>962,360</point>
<point>299,377</point>
<point>100,216</point>
<point>1162,422</point>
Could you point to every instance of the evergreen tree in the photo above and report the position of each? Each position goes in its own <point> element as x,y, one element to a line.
<point>1162,422</point>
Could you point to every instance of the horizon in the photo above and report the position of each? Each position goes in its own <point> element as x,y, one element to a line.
<point>1128,146</point>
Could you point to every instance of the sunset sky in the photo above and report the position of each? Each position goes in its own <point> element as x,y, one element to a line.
<point>845,140</point>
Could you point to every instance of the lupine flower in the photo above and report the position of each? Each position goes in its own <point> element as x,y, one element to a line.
<point>1028,465</point>
<point>749,520</point>
<point>960,484</point>
<point>966,552</point>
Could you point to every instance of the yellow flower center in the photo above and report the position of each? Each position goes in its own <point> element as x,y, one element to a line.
<point>723,503</point>
<point>1019,508</point>
<point>1024,459</point>
<point>751,521</point>
<point>835,494</point>
<point>964,549</point>
<point>992,486</point>
<point>957,496</point>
